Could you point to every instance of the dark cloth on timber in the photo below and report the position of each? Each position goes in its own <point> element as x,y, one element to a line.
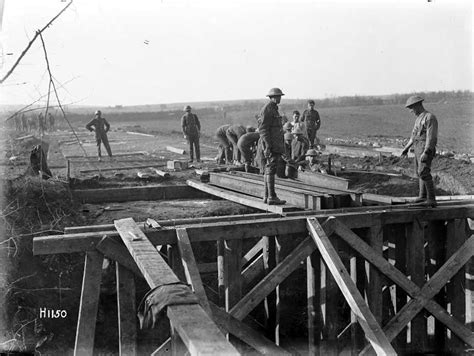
<point>271,129</point>
<point>38,163</point>
<point>299,147</point>
<point>246,145</point>
<point>100,124</point>
<point>190,124</point>
<point>152,307</point>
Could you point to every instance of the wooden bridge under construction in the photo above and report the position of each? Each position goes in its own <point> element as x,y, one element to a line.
<point>382,277</point>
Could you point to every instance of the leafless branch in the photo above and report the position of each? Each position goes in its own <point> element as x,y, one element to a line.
<point>31,42</point>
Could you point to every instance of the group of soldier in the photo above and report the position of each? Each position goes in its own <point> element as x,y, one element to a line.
<point>34,122</point>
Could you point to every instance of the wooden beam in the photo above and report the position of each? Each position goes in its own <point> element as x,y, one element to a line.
<point>121,168</point>
<point>366,319</point>
<point>323,180</point>
<point>86,321</point>
<point>127,315</point>
<point>254,251</point>
<point>190,267</point>
<point>245,333</point>
<point>374,288</point>
<point>240,198</point>
<point>232,275</point>
<point>252,271</point>
<point>138,153</point>
<point>123,194</point>
<point>274,278</point>
<point>207,339</point>
<point>116,251</point>
<point>175,150</point>
<point>313,287</point>
<point>221,272</point>
<point>400,279</point>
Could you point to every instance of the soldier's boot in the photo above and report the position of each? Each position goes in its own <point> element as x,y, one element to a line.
<point>430,193</point>
<point>272,197</point>
<point>422,191</point>
<point>265,189</point>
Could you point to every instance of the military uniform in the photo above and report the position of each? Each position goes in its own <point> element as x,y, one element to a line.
<point>271,132</point>
<point>224,142</point>
<point>233,133</point>
<point>246,145</point>
<point>191,129</point>
<point>313,123</point>
<point>299,147</point>
<point>101,127</point>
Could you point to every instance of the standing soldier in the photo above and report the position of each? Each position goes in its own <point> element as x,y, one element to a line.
<point>51,121</point>
<point>224,143</point>
<point>313,123</point>
<point>247,145</point>
<point>41,122</point>
<point>424,138</point>
<point>299,146</point>
<point>233,134</point>
<point>191,131</point>
<point>271,135</point>
<point>100,125</point>
<point>24,123</point>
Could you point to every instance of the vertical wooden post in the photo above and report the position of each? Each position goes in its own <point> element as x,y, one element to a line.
<point>174,260</point>
<point>313,284</point>
<point>416,271</point>
<point>221,272</point>
<point>277,292</point>
<point>85,332</point>
<point>177,346</point>
<point>268,251</point>
<point>374,293</point>
<point>457,293</point>
<point>233,280</point>
<point>127,319</point>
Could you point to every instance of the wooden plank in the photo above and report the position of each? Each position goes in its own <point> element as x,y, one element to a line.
<point>123,194</point>
<point>205,340</point>
<point>255,227</point>
<point>137,153</point>
<point>254,251</point>
<point>116,251</point>
<point>269,263</point>
<point>232,276</point>
<point>313,287</point>
<point>274,278</point>
<point>126,308</point>
<point>252,271</point>
<point>221,272</point>
<point>164,349</point>
<point>121,168</point>
<point>175,150</point>
<point>86,321</point>
<point>323,180</point>
<point>246,333</point>
<point>240,198</point>
<point>366,319</point>
<point>456,295</point>
<point>416,271</point>
<point>374,288</point>
<point>190,267</point>
<point>400,279</point>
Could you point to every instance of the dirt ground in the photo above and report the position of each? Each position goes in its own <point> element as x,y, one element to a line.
<point>34,282</point>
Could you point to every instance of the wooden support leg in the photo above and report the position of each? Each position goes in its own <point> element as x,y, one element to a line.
<point>174,260</point>
<point>397,236</point>
<point>457,295</point>
<point>233,280</point>
<point>127,319</point>
<point>313,282</point>
<point>177,346</point>
<point>374,292</point>
<point>221,272</point>
<point>416,270</point>
<point>90,293</point>
<point>270,300</point>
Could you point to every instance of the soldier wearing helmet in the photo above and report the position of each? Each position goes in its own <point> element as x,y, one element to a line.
<point>314,162</point>
<point>247,144</point>
<point>313,123</point>
<point>272,141</point>
<point>191,131</point>
<point>424,137</point>
<point>299,146</point>
<point>100,125</point>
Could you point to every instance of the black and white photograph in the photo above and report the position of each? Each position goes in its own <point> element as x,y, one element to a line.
<point>236,177</point>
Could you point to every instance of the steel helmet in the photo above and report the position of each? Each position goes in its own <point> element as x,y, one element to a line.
<point>275,92</point>
<point>297,130</point>
<point>187,108</point>
<point>413,100</point>
<point>287,126</point>
<point>98,112</point>
<point>312,152</point>
<point>250,128</point>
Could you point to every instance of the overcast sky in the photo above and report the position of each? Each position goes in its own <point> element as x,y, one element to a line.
<point>117,52</point>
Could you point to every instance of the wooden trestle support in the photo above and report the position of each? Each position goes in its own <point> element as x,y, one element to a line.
<point>399,274</point>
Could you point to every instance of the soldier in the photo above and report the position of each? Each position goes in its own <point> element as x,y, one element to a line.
<point>233,134</point>
<point>191,131</point>
<point>100,125</point>
<point>24,123</point>
<point>224,143</point>
<point>299,146</point>
<point>288,137</point>
<point>51,121</point>
<point>247,145</point>
<point>313,123</point>
<point>271,134</point>
<point>41,123</point>
<point>424,138</point>
<point>314,162</point>
<point>297,122</point>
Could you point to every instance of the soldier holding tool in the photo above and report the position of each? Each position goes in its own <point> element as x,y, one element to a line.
<point>424,138</point>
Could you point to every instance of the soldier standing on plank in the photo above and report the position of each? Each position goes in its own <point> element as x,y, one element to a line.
<point>424,138</point>
<point>191,131</point>
<point>100,125</point>
<point>271,136</point>
<point>313,123</point>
